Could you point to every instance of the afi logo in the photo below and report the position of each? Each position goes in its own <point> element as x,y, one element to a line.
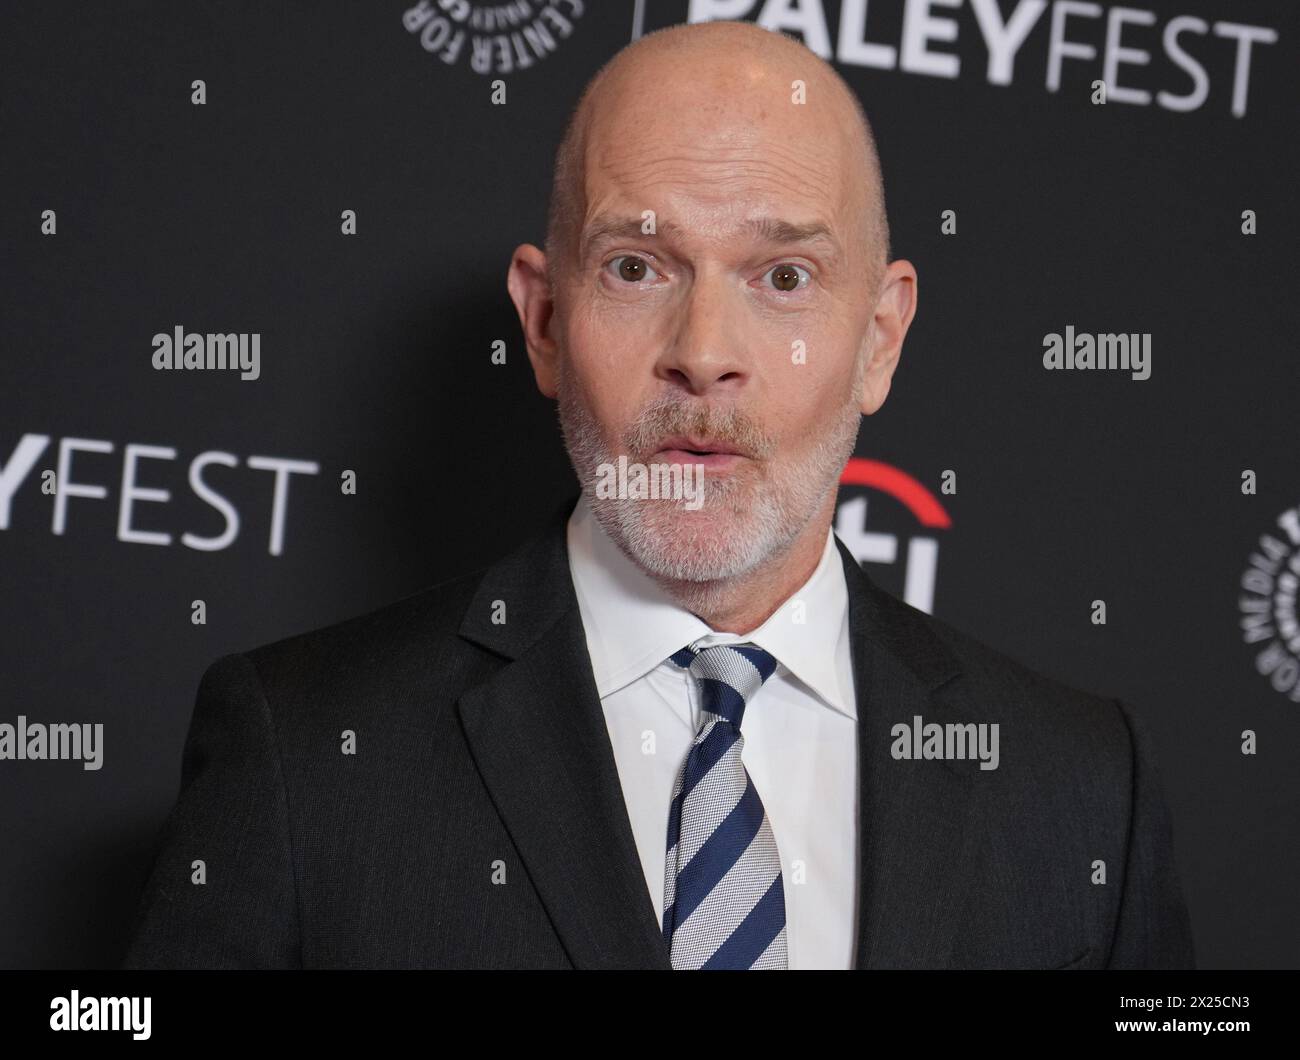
<point>913,504</point>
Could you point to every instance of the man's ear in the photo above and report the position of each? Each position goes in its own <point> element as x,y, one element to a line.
<point>530,290</point>
<point>895,309</point>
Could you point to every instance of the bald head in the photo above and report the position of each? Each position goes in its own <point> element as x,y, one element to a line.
<point>738,74</point>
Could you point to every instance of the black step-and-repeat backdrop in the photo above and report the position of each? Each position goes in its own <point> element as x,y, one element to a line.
<point>329,194</point>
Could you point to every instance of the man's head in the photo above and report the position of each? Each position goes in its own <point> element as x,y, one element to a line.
<point>716,276</point>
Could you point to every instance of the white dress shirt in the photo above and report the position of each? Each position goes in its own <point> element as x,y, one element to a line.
<point>800,728</point>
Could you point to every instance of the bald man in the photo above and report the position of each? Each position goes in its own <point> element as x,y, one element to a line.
<point>681,728</point>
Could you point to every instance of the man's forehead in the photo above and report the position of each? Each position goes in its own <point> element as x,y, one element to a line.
<point>722,179</point>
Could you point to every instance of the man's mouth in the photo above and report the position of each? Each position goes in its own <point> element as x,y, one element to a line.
<point>698,446</point>
<point>713,454</point>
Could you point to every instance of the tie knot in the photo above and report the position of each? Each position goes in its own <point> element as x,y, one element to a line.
<point>728,675</point>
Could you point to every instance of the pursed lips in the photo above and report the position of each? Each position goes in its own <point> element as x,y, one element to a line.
<point>712,454</point>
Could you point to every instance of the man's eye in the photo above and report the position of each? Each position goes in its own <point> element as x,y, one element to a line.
<point>632,268</point>
<point>789,277</point>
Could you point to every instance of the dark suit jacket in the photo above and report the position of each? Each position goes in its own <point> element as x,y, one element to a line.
<point>482,756</point>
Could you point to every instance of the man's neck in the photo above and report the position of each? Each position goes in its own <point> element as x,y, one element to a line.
<point>743,603</point>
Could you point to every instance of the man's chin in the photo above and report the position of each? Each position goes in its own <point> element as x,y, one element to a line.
<point>669,540</point>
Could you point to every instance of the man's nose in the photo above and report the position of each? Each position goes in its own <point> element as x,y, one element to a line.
<point>709,353</point>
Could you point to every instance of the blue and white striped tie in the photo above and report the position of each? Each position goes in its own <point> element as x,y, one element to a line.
<point>724,906</point>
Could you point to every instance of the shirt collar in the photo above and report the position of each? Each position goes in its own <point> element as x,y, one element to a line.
<point>632,625</point>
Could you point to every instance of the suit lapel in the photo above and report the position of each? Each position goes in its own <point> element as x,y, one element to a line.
<point>915,834</point>
<point>538,735</point>
<point>537,732</point>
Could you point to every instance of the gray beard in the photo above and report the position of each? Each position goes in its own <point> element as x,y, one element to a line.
<point>745,521</point>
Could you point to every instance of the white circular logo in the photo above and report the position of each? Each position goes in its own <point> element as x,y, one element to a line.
<point>1268,605</point>
<point>492,39</point>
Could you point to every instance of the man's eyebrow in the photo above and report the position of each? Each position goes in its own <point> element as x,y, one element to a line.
<point>606,227</point>
<point>775,230</point>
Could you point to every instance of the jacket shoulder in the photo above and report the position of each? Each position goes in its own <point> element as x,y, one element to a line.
<point>433,609</point>
<point>396,662</point>
<point>1021,695</point>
